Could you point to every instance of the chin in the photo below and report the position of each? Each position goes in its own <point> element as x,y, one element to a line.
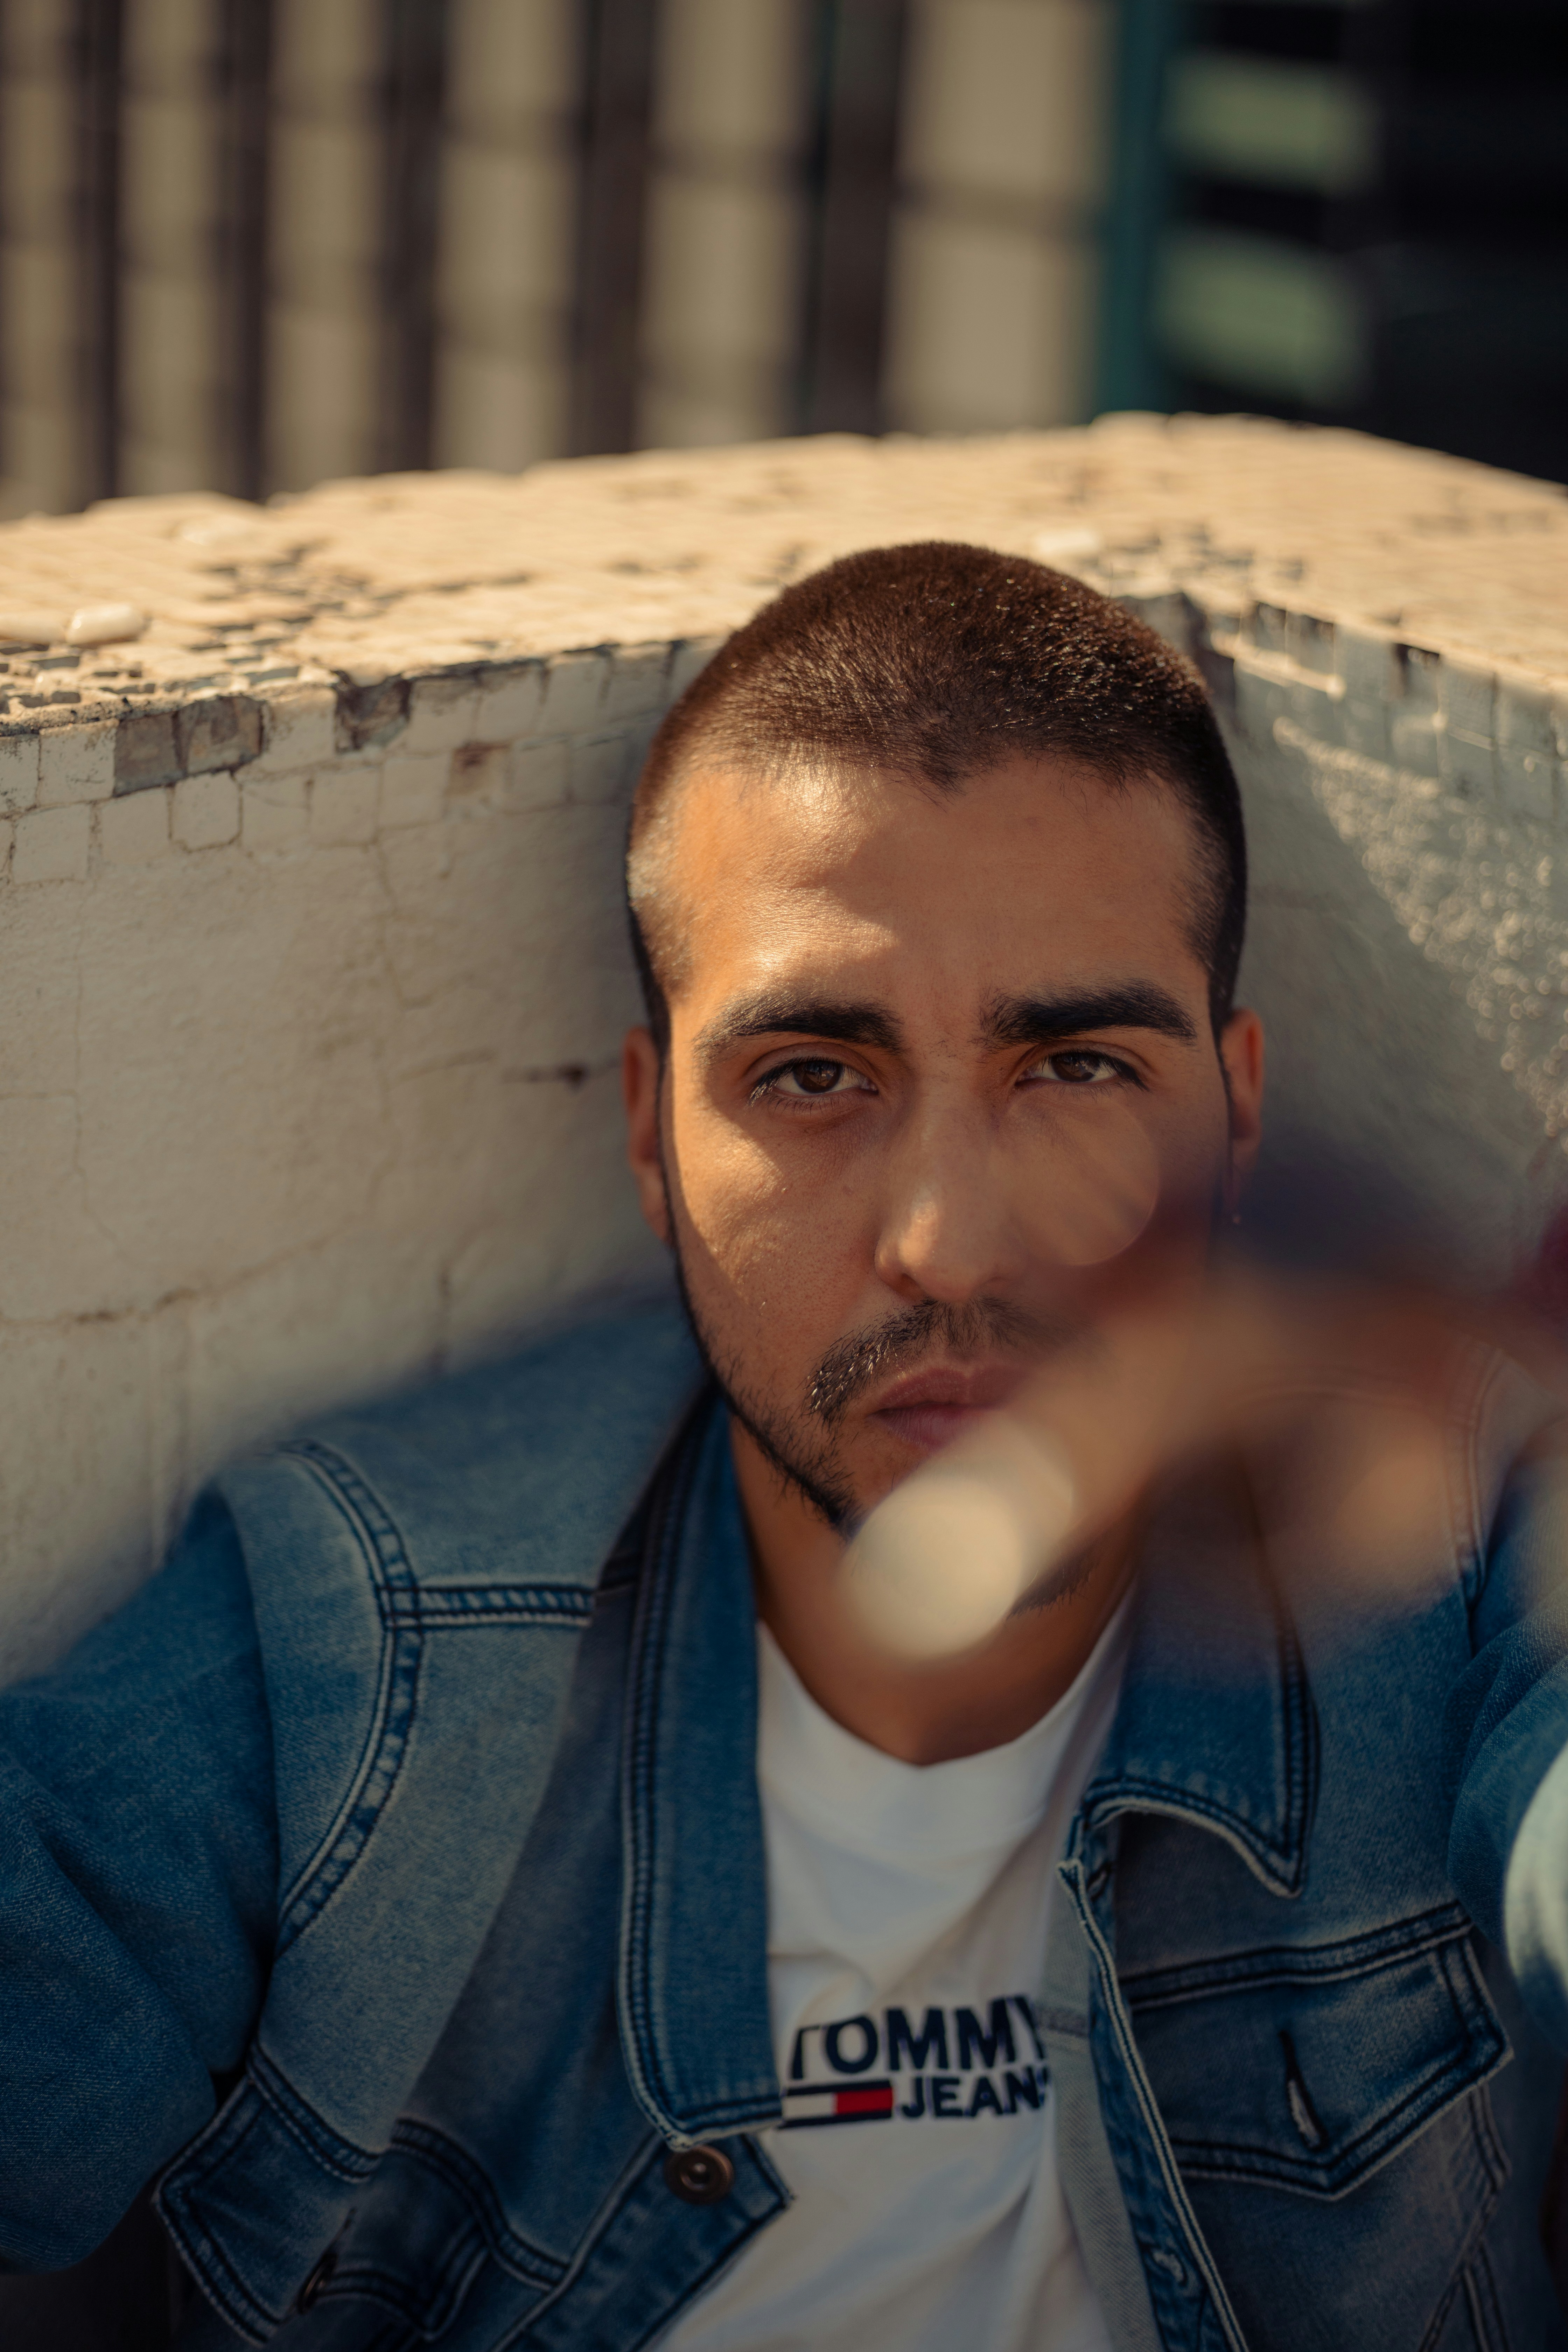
<point>883,1462</point>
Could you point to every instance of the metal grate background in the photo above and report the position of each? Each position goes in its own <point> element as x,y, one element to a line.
<point>251,244</point>
<point>246,245</point>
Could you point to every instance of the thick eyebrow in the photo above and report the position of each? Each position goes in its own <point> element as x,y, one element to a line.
<point>767,1016</point>
<point>1036,1020</point>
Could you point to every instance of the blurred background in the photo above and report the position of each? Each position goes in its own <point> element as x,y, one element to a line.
<point>249,245</point>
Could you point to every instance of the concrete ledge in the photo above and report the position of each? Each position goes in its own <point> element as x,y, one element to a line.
<point>314,960</point>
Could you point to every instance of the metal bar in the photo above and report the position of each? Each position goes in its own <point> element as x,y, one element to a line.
<point>99,42</point>
<point>1376,45</point>
<point>246,98</point>
<point>1131,374</point>
<point>415,99</point>
<point>619,47</point>
<point>851,176</point>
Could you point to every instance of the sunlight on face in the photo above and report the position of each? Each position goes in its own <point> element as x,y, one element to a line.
<point>1096,1189</point>
<point>938,1068</point>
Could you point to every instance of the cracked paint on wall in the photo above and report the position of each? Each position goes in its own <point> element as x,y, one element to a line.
<point>314,962</point>
<point>1483,895</point>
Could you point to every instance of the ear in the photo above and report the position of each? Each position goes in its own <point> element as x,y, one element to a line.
<point>1241,1051</point>
<point>640,1075</point>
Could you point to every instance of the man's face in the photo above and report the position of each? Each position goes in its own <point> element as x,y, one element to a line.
<point>941,1079</point>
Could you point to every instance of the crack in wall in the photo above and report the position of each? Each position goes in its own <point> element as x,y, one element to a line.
<point>1482,896</point>
<point>451,1234</point>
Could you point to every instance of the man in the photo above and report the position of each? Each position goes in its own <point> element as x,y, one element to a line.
<point>518,1885</point>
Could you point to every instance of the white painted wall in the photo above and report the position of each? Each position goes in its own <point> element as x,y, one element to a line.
<point>311,1089</point>
<point>307,1064</point>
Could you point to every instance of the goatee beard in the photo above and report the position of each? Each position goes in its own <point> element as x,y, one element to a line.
<point>807,1457</point>
<point>814,1473</point>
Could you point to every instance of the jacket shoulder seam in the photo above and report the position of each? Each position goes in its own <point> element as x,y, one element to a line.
<point>385,1743</point>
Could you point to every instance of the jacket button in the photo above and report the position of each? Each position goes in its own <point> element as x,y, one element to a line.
<point>311,2292</point>
<point>698,2176</point>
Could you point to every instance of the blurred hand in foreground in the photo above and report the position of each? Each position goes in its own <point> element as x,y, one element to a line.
<point>1343,1406</point>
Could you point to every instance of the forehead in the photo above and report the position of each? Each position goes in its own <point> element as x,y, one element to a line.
<point>1037,866</point>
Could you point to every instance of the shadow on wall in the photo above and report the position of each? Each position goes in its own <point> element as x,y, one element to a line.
<point>1397,1136</point>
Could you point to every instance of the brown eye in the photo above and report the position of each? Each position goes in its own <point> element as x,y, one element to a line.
<point>814,1077</point>
<point>1078,1066</point>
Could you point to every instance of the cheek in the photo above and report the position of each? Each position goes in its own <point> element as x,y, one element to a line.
<point>1097,1181</point>
<point>774,1243</point>
<point>1103,1189</point>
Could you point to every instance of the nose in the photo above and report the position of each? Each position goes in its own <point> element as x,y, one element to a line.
<point>948,1230</point>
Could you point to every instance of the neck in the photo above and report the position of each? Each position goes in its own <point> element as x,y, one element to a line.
<point>924,1713</point>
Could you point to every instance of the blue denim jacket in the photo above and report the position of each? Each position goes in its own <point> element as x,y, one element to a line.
<point>389,1876</point>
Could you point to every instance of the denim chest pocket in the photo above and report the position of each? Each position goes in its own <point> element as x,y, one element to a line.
<point>1308,2067</point>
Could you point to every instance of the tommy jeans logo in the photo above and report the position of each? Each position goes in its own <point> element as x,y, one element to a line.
<point>953,2063</point>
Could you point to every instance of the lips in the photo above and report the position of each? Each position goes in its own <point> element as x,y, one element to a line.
<point>931,1408</point>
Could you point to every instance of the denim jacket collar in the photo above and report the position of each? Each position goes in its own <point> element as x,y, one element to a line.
<point>695,2026</point>
<point>1216,1724</point>
<point>376,1549</point>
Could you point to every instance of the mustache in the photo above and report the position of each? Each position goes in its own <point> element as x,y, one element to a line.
<point>982,1327</point>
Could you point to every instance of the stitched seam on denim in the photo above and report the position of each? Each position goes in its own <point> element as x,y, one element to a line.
<point>429,2320</point>
<point>1439,2319</point>
<point>406,1650</point>
<point>1395,2123</point>
<point>434,2315</point>
<point>370,2285</point>
<point>310,2132</point>
<point>1495,2159</point>
<point>620,2194</point>
<point>1466,1531</point>
<point>1482,2129</point>
<point>1486,2049</point>
<point>1279,1864</point>
<point>724,2262</point>
<point>226,2289</point>
<point>648,1638</point>
<point>1498,2169</point>
<point>219,2138</point>
<point>755,2107</point>
<point>269,2091</point>
<point>446,2157</point>
<point>386,1741</point>
<point>299,1888</point>
<point>1365,1955</point>
<point>1154,2130</point>
<point>1303,1740</point>
<point>479,1604</point>
<point>551,1619</point>
<point>1480,2285</point>
<point>1473,2003</point>
<point>1481,2332</point>
<point>174,2189</point>
<point>307,1455</point>
<point>1471,1547</point>
<point>1139,1796</point>
<point>580,2260</point>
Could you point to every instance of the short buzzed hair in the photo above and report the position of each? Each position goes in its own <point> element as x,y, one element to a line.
<point>935,662</point>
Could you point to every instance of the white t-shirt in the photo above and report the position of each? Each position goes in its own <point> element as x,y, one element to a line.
<point>908,1909</point>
